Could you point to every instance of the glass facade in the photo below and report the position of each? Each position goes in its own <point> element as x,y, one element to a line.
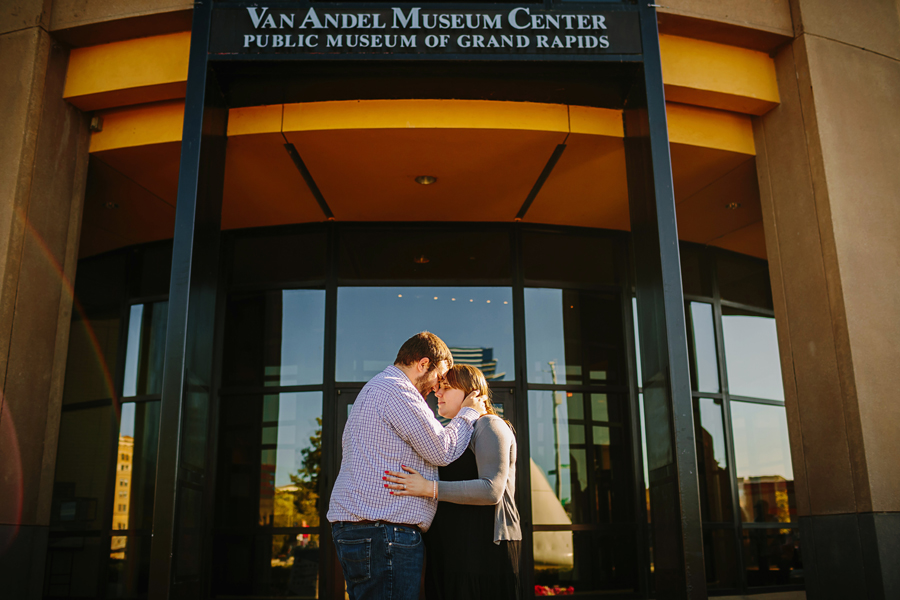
<point>109,432</point>
<point>750,531</point>
<point>309,313</point>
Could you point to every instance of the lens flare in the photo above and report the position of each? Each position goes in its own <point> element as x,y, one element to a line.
<point>14,488</point>
<point>11,512</point>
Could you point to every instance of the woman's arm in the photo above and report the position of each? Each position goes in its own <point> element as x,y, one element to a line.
<point>492,441</point>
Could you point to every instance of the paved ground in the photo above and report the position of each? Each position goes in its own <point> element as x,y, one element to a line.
<point>775,596</point>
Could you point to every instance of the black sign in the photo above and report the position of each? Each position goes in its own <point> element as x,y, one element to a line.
<point>323,29</point>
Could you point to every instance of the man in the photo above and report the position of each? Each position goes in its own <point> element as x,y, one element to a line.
<point>378,536</point>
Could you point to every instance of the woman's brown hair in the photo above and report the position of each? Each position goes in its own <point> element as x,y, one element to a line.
<point>470,379</point>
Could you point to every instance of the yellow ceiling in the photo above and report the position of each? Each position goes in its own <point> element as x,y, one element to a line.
<point>369,175</point>
<point>364,158</point>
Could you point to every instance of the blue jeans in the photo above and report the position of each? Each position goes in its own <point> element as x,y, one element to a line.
<point>380,561</point>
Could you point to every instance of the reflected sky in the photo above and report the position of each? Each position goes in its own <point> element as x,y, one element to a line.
<point>545,437</point>
<point>705,347</point>
<point>290,423</point>
<point>145,349</point>
<point>644,441</point>
<point>761,445</point>
<point>373,322</point>
<point>126,421</point>
<point>302,338</point>
<point>751,356</point>
<point>133,350</point>
<point>637,350</point>
<point>545,340</point>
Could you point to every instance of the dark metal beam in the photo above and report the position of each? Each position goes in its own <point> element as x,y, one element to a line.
<point>308,178</point>
<point>668,413</point>
<point>536,188</point>
<point>182,462</point>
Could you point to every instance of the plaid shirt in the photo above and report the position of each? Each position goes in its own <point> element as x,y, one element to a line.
<point>391,425</point>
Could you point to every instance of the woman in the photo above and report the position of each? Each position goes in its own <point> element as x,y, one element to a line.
<point>472,548</point>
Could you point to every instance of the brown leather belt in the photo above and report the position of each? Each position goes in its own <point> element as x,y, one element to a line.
<point>365,522</point>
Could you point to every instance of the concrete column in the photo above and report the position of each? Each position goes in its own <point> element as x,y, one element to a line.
<point>827,160</point>
<point>43,166</point>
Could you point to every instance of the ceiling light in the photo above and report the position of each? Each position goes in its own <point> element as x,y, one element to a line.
<point>425,179</point>
<point>421,260</point>
<point>733,205</point>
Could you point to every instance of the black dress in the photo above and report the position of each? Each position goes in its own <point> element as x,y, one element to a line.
<point>462,562</point>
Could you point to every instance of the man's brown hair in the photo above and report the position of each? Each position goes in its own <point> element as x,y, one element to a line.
<point>424,345</point>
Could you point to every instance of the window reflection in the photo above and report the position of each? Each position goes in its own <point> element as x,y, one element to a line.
<point>553,257</point>
<point>580,562</point>
<point>373,322</point>
<point>695,273</point>
<point>266,566</point>
<point>267,257</point>
<point>423,254</point>
<point>744,280</point>
<point>552,458</point>
<point>772,557</point>
<point>751,355</point>
<point>705,364</point>
<point>275,338</point>
<point>145,349</point>
<point>270,460</point>
<point>715,477</point>
<point>573,337</point>
<point>93,344</point>
<point>135,477</point>
<point>720,558</point>
<point>80,492</point>
<point>73,564</point>
<point>637,347</point>
<point>644,456</point>
<point>129,567</point>
<point>580,466</point>
<point>762,457</point>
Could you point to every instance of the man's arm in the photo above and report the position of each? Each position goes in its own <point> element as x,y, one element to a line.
<point>413,421</point>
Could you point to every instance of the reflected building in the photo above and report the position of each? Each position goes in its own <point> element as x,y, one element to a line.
<point>124,470</point>
<point>766,499</point>
<point>482,358</point>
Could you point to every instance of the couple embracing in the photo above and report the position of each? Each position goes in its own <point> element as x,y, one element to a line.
<point>413,493</point>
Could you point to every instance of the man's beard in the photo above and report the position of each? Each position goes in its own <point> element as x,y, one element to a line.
<point>423,385</point>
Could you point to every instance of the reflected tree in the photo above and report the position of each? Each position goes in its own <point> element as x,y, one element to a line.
<point>306,497</point>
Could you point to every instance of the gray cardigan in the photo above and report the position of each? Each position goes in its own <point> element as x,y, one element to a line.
<point>494,445</point>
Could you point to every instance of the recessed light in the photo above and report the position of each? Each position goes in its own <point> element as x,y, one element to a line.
<point>399,295</point>
<point>425,179</point>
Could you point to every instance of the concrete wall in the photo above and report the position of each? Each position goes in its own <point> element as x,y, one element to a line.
<point>829,185</point>
<point>90,22</point>
<point>757,24</point>
<point>43,164</point>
